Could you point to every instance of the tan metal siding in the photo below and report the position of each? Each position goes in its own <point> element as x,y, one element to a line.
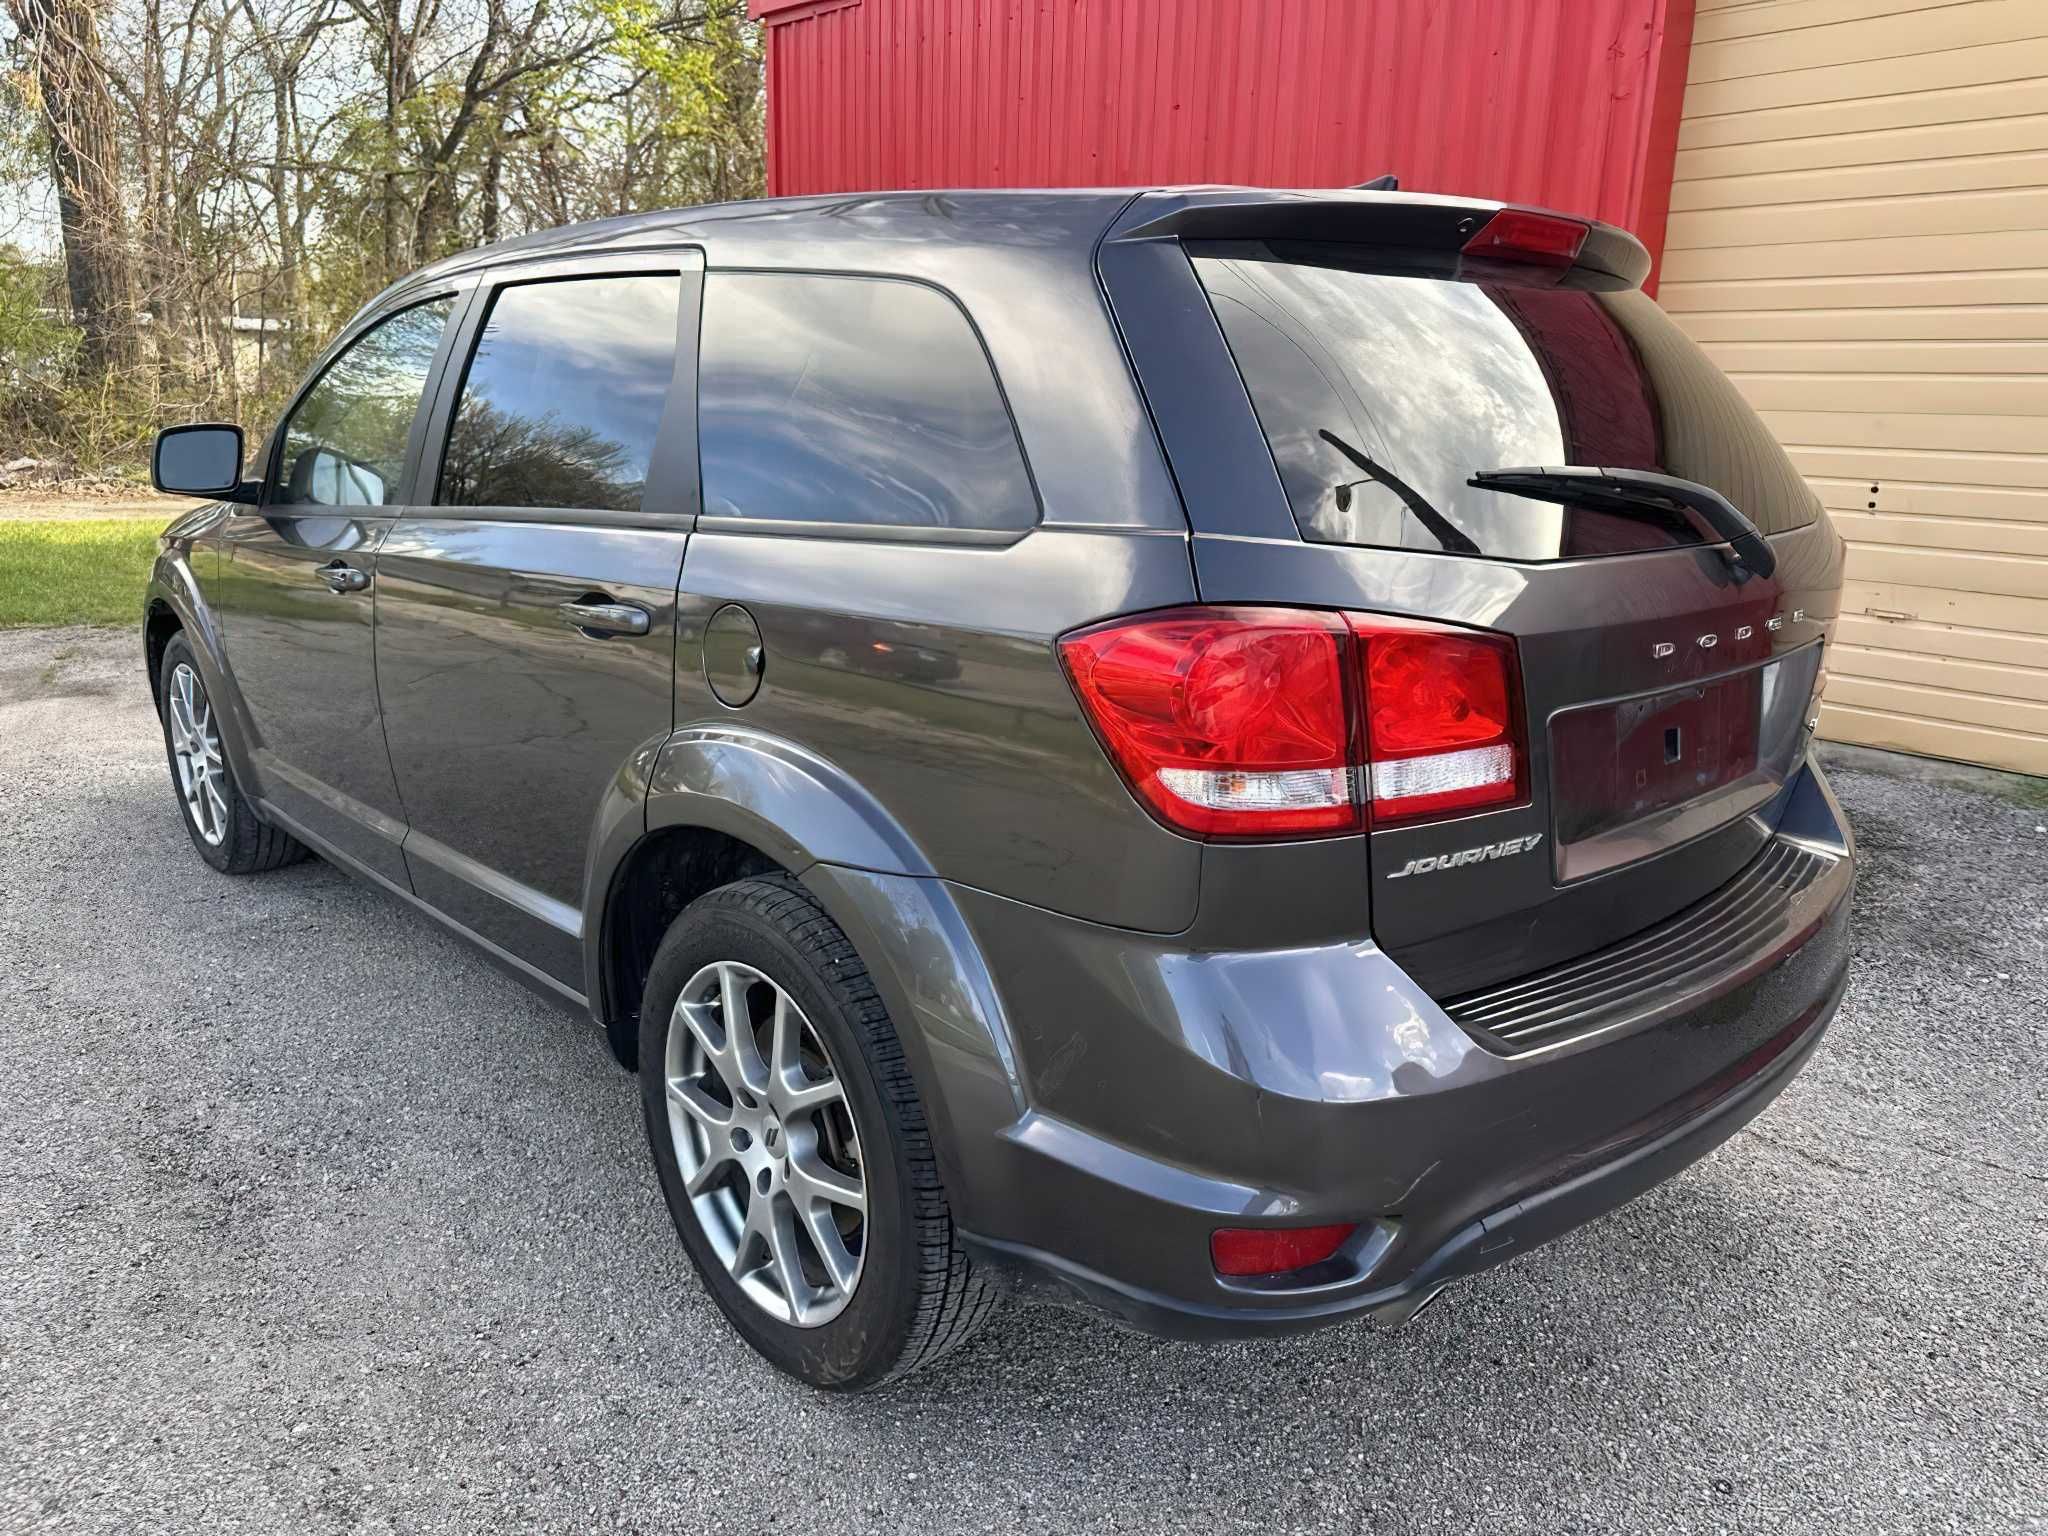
<point>1859,236</point>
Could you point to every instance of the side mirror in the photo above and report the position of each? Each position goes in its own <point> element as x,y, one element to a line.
<point>202,460</point>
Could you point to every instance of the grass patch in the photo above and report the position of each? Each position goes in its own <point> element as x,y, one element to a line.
<point>83,571</point>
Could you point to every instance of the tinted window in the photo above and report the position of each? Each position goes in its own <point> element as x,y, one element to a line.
<point>852,400</point>
<point>345,444</point>
<point>1428,380</point>
<point>563,396</point>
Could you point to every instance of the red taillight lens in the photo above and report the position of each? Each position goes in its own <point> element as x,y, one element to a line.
<point>1529,239</point>
<point>1228,722</point>
<point>1441,718</point>
<point>1274,1250</point>
<point>1265,722</point>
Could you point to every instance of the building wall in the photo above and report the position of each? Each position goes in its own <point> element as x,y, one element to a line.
<point>1857,227</point>
<point>1859,236</point>
<point>1570,103</point>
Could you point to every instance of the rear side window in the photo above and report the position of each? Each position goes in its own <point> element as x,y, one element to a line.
<point>563,396</point>
<point>344,444</point>
<point>852,400</point>
<point>1382,393</point>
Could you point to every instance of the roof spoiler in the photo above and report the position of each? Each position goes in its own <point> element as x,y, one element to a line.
<point>1416,220</point>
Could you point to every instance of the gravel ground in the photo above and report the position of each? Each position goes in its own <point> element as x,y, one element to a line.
<point>50,506</point>
<point>317,1222</point>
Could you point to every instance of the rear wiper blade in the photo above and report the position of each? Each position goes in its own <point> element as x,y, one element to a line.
<point>1441,528</point>
<point>1622,489</point>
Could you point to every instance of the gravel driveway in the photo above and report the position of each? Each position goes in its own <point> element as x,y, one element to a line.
<point>316,1222</point>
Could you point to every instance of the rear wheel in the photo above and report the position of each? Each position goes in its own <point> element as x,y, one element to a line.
<point>223,825</point>
<point>791,1145</point>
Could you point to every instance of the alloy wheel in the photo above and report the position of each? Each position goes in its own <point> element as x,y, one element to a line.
<point>765,1141</point>
<point>195,748</point>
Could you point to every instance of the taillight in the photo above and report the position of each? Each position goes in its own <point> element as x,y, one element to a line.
<point>1529,239</point>
<point>1281,722</point>
<point>1228,722</point>
<point>1442,732</point>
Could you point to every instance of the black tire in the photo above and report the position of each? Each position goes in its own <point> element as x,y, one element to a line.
<point>248,845</point>
<point>918,1296</point>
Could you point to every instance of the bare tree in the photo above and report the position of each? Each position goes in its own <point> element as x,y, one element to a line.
<point>62,40</point>
<point>233,177</point>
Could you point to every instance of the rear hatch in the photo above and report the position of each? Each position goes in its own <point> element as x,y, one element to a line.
<point>1392,351</point>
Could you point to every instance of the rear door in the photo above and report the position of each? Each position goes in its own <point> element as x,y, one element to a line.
<point>297,583</point>
<point>1372,367</point>
<point>526,613</point>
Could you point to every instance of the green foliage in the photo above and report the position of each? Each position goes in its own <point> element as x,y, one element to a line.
<point>35,348</point>
<point>701,68</point>
<point>684,65</point>
<point>106,422</point>
<point>89,571</point>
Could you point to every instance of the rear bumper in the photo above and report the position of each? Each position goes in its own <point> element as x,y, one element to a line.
<point>1491,1239</point>
<point>1172,1094</point>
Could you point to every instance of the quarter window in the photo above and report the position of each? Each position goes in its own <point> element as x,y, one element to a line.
<point>344,445</point>
<point>564,394</point>
<point>852,400</point>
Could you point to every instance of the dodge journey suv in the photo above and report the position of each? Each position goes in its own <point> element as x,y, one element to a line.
<point>1230,756</point>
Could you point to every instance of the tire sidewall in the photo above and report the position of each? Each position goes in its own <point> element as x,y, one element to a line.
<point>222,855</point>
<point>859,1346</point>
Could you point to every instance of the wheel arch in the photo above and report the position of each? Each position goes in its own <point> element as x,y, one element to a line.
<point>174,604</point>
<point>159,622</point>
<point>725,803</point>
<point>660,875</point>
<point>716,803</point>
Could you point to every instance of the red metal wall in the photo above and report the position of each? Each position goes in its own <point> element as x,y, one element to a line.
<point>1572,103</point>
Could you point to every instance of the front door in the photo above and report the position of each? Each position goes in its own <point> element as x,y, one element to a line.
<point>526,616</point>
<point>297,587</point>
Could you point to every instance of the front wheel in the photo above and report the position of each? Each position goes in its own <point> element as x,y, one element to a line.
<point>223,825</point>
<point>792,1147</point>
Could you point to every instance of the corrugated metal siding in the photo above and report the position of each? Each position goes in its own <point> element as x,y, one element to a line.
<point>1544,101</point>
<point>1859,235</point>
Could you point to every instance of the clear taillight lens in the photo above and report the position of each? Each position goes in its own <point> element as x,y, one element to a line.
<point>1282,722</point>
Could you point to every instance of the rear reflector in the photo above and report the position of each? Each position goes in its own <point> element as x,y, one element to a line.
<point>1529,239</point>
<point>1283,722</point>
<point>1243,1251</point>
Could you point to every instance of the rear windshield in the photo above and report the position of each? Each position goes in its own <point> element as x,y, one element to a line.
<point>1382,393</point>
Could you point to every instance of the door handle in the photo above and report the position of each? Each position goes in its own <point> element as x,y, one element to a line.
<point>342,577</point>
<point>601,619</point>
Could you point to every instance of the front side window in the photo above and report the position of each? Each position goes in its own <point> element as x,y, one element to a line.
<point>852,400</point>
<point>344,445</point>
<point>564,395</point>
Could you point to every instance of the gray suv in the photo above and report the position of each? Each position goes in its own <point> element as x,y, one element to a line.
<point>1229,756</point>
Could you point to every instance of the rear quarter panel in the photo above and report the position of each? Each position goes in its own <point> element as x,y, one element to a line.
<point>927,675</point>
